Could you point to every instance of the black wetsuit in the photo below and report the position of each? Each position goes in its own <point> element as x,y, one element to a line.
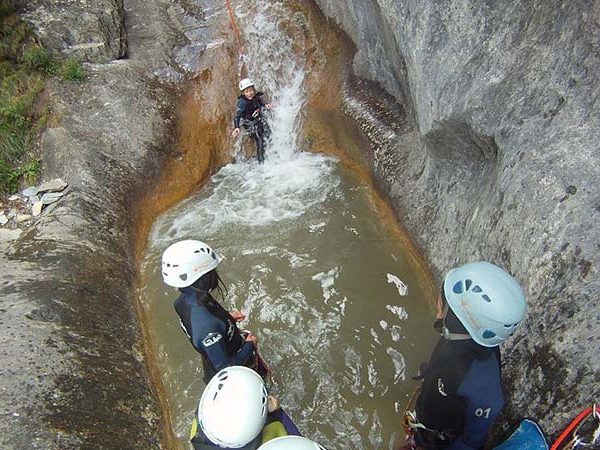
<point>248,115</point>
<point>212,332</point>
<point>461,395</point>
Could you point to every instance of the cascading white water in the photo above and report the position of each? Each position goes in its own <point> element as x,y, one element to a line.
<point>307,260</point>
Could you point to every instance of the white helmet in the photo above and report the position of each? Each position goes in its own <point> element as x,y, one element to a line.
<point>291,443</point>
<point>233,408</point>
<point>488,301</point>
<point>186,261</point>
<point>245,84</point>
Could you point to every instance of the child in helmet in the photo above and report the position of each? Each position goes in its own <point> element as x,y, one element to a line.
<point>479,307</point>
<point>249,115</point>
<point>235,411</point>
<point>191,266</point>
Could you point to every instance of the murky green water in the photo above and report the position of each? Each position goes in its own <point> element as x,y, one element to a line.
<point>342,341</point>
<point>309,261</point>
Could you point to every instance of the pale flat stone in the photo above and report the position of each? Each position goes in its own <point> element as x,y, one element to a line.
<point>9,235</point>
<point>51,197</point>
<point>30,191</point>
<point>23,218</point>
<point>3,219</point>
<point>55,185</point>
<point>12,198</point>
<point>36,209</point>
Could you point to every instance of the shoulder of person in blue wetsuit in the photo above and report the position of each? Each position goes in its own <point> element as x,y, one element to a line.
<point>191,266</point>
<point>248,102</point>
<point>211,330</point>
<point>479,307</point>
<point>461,393</point>
<point>245,108</point>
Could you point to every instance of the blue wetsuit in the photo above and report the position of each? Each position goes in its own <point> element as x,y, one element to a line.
<point>246,108</point>
<point>256,126</point>
<point>212,332</point>
<point>461,396</point>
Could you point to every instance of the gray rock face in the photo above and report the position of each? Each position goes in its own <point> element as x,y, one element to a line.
<point>73,369</point>
<point>498,160</point>
<point>88,30</point>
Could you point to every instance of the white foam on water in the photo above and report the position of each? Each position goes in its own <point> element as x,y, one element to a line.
<point>399,364</point>
<point>398,311</point>
<point>327,281</point>
<point>402,288</point>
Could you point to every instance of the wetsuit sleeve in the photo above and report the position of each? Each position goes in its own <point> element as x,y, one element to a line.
<point>482,392</point>
<point>290,427</point>
<point>243,354</point>
<point>238,113</point>
<point>208,337</point>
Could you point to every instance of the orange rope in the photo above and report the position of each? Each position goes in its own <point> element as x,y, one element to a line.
<point>236,30</point>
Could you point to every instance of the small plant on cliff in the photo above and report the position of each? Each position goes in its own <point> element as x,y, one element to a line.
<point>73,70</point>
<point>22,75</point>
<point>37,58</point>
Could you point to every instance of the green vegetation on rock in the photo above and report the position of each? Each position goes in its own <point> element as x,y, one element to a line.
<point>24,68</point>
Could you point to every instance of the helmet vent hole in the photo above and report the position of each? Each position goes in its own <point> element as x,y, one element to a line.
<point>486,298</point>
<point>183,276</point>
<point>220,386</point>
<point>215,396</point>
<point>507,325</point>
<point>477,289</point>
<point>197,251</point>
<point>468,284</point>
<point>175,265</point>
<point>487,334</point>
<point>458,288</point>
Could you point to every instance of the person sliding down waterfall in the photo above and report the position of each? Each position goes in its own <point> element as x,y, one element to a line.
<point>249,115</point>
<point>191,266</point>
<point>479,307</point>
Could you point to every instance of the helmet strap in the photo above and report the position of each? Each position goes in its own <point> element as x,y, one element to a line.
<point>448,335</point>
<point>454,336</point>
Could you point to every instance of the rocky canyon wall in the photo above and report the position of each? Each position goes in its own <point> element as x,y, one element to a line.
<point>498,161</point>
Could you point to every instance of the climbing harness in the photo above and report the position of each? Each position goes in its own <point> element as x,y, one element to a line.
<point>583,431</point>
<point>411,424</point>
<point>238,37</point>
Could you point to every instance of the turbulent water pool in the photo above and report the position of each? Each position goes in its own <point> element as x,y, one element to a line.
<point>336,299</point>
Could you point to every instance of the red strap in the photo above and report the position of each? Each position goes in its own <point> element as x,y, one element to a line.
<point>582,415</point>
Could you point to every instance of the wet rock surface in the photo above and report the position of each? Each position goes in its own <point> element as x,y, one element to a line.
<point>496,158</point>
<point>74,370</point>
<point>84,29</point>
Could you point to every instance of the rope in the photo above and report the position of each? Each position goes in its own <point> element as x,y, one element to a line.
<point>238,35</point>
<point>577,421</point>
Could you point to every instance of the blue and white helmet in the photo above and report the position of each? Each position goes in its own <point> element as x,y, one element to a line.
<point>489,302</point>
<point>186,261</point>
<point>291,443</point>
